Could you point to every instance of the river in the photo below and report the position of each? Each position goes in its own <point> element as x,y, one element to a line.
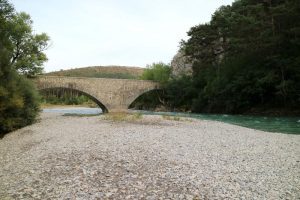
<point>288,125</point>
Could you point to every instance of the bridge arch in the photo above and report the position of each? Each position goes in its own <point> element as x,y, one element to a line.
<point>113,94</point>
<point>97,101</point>
<point>153,98</point>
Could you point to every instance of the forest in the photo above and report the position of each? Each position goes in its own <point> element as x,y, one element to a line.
<point>245,60</point>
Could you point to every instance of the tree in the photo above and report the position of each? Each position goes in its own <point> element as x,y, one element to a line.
<point>20,54</point>
<point>247,57</point>
<point>28,56</point>
<point>157,72</point>
<point>245,60</point>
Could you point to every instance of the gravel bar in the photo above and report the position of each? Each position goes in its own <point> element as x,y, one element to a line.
<point>69,157</point>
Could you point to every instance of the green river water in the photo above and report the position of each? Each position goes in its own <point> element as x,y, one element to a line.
<point>289,125</point>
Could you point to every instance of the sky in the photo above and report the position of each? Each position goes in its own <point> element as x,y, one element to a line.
<point>115,32</point>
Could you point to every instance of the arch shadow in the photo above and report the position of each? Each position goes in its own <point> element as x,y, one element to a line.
<point>147,100</point>
<point>101,105</point>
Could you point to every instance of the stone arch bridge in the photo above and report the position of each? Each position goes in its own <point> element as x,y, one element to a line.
<point>110,94</point>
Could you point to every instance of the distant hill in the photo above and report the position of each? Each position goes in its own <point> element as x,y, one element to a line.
<point>118,72</point>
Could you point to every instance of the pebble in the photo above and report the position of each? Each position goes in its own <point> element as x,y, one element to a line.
<point>92,158</point>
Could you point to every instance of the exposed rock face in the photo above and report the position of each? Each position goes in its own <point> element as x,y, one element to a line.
<point>180,65</point>
<point>219,49</point>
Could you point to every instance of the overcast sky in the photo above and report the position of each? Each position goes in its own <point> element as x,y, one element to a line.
<point>115,32</point>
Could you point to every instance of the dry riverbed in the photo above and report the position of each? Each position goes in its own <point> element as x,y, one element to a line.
<point>69,157</point>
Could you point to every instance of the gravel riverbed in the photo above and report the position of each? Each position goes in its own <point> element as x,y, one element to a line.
<point>65,157</point>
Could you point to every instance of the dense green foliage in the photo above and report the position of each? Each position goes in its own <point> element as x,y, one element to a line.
<point>247,57</point>
<point>66,97</point>
<point>19,102</point>
<point>28,56</point>
<point>245,60</point>
<point>157,72</point>
<point>20,55</point>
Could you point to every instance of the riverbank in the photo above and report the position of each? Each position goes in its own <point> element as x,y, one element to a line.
<point>64,157</point>
<point>49,105</point>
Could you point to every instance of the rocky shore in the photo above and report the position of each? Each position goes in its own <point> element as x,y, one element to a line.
<point>69,157</point>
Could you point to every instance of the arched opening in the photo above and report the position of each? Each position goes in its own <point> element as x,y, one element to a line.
<point>153,100</point>
<point>62,92</point>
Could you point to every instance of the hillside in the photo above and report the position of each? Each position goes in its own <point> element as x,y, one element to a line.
<point>119,72</point>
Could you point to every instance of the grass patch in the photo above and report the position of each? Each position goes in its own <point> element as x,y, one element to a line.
<point>173,118</point>
<point>176,118</point>
<point>123,116</point>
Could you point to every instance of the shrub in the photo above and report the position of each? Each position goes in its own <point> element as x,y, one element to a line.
<point>19,102</point>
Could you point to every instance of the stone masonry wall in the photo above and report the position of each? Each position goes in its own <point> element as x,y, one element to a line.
<point>114,94</point>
